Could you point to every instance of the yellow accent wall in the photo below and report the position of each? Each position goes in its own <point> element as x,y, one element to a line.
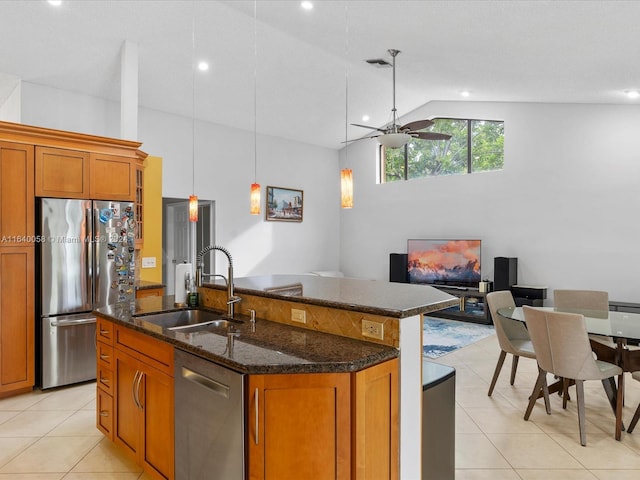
<point>152,223</point>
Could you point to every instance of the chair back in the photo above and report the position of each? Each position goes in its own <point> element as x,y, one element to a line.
<point>584,299</point>
<point>561,343</point>
<point>506,328</point>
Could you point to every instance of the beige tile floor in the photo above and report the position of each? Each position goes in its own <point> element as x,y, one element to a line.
<point>51,435</point>
<point>494,442</point>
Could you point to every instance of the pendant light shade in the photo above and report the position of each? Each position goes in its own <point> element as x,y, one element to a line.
<point>346,188</point>
<point>255,199</point>
<point>193,208</point>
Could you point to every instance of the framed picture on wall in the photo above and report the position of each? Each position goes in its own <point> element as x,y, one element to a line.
<point>284,204</point>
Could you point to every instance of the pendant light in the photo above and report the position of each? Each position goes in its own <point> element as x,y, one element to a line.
<point>254,196</point>
<point>193,199</point>
<point>346,188</point>
<point>346,174</point>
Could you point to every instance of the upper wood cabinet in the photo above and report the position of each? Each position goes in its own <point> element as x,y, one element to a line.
<point>16,194</point>
<point>112,177</point>
<point>62,173</point>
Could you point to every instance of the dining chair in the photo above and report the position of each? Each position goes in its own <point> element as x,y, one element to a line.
<point>512,335</point>
<point>636,416</point>
<point>604,347</point>
<point>562,348</point>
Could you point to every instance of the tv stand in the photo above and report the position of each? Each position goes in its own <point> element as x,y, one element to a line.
<point>472,306</point>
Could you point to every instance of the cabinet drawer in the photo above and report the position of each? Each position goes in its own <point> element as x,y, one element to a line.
<point>104,331</point>
<point>149,350</point>
<point>104,413</point>
<point>104,379</point>
<point>104,355</point>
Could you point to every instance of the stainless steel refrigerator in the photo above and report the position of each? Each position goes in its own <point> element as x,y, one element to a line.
<point>86,260</point>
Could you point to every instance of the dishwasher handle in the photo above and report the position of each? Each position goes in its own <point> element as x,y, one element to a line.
<point>206,382</point>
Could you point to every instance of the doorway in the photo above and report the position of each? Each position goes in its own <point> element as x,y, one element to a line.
<point>176,232</point>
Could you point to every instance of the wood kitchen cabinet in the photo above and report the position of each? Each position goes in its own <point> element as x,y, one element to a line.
<point>112,177</point>
<point>17,308</point>
<point>61,173</point>
<point>143,400</point>
<point>299,426</point>
<point>17,322</point>
<point>314,425</point>
<point>16,194</point>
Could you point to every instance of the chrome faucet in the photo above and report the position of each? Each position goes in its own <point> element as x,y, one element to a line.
<point>231,297</point>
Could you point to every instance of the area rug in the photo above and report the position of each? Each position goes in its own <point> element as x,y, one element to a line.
<point>442,336</point>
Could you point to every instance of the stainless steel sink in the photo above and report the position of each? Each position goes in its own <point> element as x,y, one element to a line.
<point>183,319</point>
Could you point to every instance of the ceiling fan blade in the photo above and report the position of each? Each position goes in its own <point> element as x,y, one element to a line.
<point>417,125</point>
<point>367,126</point>
<point>357,139</point>
<point>430,135</point>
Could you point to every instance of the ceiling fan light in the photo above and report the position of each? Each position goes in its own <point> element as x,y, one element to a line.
<point>393,140</point>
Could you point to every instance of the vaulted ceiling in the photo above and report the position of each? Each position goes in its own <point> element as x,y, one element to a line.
<point>300,62</point>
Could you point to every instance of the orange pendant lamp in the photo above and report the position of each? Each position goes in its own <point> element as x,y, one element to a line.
<point>255,199</point>
<point>193,208</point>
<point>346,188</point>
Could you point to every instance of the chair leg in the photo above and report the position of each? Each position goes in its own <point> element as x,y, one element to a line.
<point>514,367</point>
<point>611,390</point>
<point>581,415</point>
<point>501,358</point>
<point>634,420</point>
<point>565,392</point>
<point>545,394</point>
<point>540,384</point>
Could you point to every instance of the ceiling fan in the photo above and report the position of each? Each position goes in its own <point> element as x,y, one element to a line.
<point>395,135</point>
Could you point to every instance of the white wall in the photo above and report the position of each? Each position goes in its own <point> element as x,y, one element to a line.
<point>565,204</point>
<point>10,101</point>
<point>224,166</point>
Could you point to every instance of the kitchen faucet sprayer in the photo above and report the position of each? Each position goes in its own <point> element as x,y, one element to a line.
<point>231,298</point>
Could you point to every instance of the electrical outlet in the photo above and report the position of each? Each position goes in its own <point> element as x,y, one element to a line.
<point>372,329</point>
<point>299,316</point>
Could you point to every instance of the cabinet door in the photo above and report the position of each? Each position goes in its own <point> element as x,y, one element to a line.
<point>156,397</point>
<point>17,321</point>
<point>299,426</point>
<point>112,178</point>
<point>127,428</point>
<point>139,204</point>
<point>61,173</point>
<point>16,194</point>
<point>376,420</point>
<point>143,414</point>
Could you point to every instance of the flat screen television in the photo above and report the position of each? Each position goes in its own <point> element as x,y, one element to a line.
<point>444,262</point>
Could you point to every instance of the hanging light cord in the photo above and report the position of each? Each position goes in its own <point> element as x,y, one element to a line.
<point>193,100</point>
<point>346,82</point>
<point>255,91</point>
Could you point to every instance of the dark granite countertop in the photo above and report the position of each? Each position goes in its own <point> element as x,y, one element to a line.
<point>271,348</point>
<point>146,284</point>
<point>390,299</point>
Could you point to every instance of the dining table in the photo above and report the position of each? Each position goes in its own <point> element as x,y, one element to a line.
<point>623,328</point>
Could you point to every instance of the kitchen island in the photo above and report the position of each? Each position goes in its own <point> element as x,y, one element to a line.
<point>308,327</point>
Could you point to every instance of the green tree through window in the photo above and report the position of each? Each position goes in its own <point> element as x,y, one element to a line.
<point>475,145</point>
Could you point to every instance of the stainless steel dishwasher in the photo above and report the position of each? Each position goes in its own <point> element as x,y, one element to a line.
<point>209,420</point>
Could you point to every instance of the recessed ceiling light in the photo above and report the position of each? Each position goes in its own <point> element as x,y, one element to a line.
<point>306,5</point>
<point>465,93</point>
<point>55,3</point>
<point>203,66</point>
<point>633,94</point>
<point>365,118</point>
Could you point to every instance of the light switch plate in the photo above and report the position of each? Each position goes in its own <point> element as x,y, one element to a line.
<point>148,262</point>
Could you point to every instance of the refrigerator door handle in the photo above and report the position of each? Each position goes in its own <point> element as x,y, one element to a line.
<point>72,323</point>
<point>88,250</point>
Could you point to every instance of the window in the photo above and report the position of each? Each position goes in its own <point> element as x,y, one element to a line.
<point>475,146</point>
